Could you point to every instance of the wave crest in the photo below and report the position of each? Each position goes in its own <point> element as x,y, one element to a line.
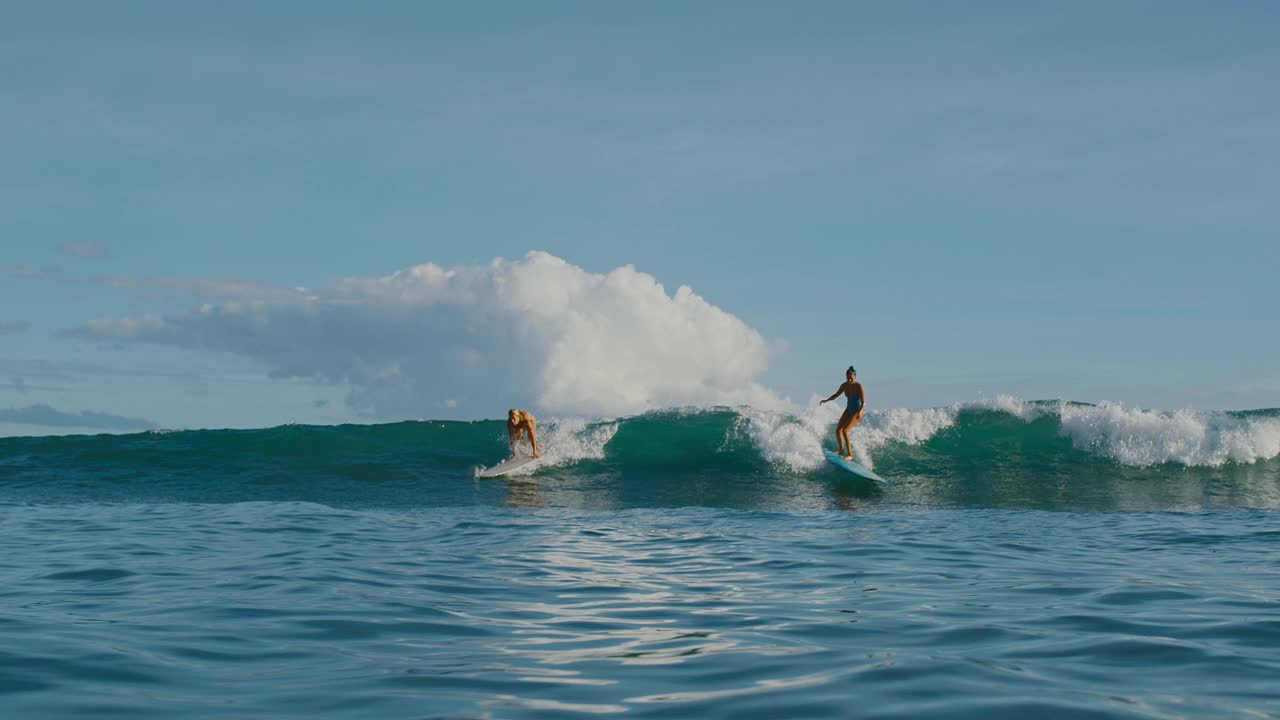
<point>1130,436</point>
<point>1133,436</point>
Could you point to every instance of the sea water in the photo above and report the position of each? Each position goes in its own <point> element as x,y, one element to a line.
<point>1023,560</point>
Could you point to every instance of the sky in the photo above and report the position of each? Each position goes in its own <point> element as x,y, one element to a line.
<point>247,214</point>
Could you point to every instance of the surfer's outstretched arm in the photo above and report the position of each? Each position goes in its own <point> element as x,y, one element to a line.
<point>533,437</point>
<point>834,396</point>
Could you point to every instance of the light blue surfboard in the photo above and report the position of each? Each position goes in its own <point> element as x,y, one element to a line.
<point>854,467</point>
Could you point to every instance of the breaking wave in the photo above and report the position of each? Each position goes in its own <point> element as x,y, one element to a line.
<point>997,452</point>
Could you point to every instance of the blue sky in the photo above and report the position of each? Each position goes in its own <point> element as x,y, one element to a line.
<point>968,199</point>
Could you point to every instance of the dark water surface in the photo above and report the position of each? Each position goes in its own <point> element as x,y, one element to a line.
<point>673,565</point>
<point>299,610</point>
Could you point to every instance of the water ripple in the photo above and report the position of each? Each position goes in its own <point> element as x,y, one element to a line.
<point>296,610</point>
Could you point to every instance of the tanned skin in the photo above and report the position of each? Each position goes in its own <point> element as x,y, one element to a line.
<point>853,389</point>
<point>519,424</point>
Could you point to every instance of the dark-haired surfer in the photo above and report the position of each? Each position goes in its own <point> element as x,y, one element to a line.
<point>852,415</point>
<point>522,422</point>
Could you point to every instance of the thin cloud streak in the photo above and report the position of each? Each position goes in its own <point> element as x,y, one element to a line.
<point>49,416</point>
<point>996,107</point>
<point>91,249</point>
<point>181,286</point>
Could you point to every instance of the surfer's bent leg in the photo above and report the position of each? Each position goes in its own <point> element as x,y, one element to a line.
<point>842,433</point>
<point>848,444</point>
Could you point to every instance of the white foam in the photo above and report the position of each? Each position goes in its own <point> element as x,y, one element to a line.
<point>1020,409</point>
<point>795,440</point>
<point>1133,436</point>
<point>898,425</point>
<point>782,438</point>
<point>568,440</point>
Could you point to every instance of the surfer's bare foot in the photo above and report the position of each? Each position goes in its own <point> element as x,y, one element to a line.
<point>848,457</point>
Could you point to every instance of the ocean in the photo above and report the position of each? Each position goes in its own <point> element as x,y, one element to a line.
<point>1023,560</point>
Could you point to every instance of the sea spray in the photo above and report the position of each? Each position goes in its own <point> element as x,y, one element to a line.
<point>1130,436</point>
<point>1137,437</point>
<point>562,441</point>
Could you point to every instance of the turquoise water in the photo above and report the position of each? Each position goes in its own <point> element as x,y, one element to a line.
<point>672,565</point>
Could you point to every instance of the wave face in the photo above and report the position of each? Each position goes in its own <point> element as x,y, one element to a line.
<point>997,453</point>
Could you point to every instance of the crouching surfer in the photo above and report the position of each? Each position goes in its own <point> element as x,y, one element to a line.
<point>851,389</point>
<point>519,424</point>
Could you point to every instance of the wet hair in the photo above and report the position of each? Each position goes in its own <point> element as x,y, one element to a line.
<point>850,370</point>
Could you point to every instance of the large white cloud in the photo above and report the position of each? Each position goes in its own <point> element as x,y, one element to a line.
<point>472,341</point>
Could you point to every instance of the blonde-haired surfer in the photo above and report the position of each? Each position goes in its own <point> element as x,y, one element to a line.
<point>522,422</point>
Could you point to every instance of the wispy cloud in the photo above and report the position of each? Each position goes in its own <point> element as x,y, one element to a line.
<point>1074,108</point>
<point>86,249</point>
<point>13,327</point>
<point>1260,385</point>
<point>45,273</point>
<point>48,416</point>
<point>185,287</point>
<point>209,287</point>
<point>20,385</point>
<point>687,159</point>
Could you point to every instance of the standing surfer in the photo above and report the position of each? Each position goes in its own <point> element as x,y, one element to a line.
<point>522,422</point>
<point>852,389</point>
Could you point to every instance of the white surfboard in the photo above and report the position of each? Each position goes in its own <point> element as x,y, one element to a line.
<point>522,465</point>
